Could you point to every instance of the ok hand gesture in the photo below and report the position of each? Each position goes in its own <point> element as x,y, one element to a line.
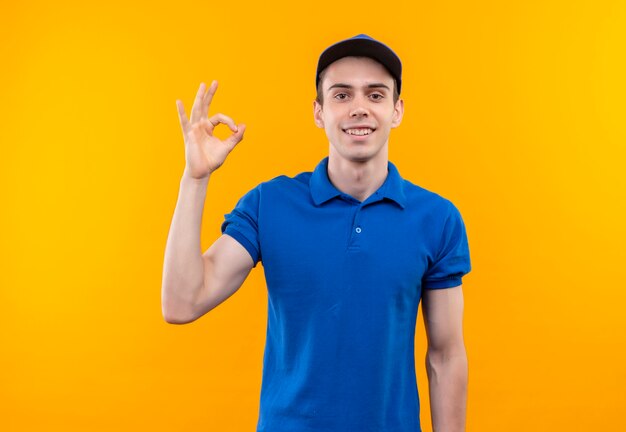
<point>204,153</point>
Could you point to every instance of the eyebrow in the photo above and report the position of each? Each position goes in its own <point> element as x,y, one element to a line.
<point>348,86</point>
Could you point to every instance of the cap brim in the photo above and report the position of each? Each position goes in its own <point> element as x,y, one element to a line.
<point>362,48</point>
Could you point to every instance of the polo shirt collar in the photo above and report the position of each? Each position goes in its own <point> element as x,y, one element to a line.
<point>322,190</point>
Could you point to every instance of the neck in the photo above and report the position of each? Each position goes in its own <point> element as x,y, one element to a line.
<point>358,179</point>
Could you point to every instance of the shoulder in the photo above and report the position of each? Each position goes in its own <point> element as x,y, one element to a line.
<point>285,184</point>
<point>279,189</point>
<point>420,197</point>
<point>286,181</point>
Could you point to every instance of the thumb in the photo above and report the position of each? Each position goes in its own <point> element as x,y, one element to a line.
<point>236,137</point>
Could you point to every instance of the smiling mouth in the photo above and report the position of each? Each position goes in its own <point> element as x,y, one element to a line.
<point>359,131</point>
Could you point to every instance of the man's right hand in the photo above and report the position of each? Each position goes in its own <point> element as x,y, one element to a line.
<point>204,153</point>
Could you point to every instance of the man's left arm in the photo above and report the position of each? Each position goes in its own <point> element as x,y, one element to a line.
<point>446,359</point>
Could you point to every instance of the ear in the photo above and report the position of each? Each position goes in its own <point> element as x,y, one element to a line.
<point>317,114</point>
<point>398,112</point>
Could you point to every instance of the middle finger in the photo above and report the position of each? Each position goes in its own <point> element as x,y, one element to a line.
<point>208,98</point>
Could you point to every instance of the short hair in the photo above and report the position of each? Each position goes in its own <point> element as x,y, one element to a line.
<point>320,92</point>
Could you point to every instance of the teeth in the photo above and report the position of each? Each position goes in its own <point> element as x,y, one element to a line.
<point>359,131</point>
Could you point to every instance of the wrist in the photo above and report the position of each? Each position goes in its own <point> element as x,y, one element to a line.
<point>187,178</point>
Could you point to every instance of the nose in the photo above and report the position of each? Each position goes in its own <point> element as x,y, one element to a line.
<point>358,111</point>
<point>358,108</point>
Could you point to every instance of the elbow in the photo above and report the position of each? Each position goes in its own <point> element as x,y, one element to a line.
<point>176,313</point>
<point>445,354</point>
<point>174,319</point>
<point>444,363</point>
<point>181,306</point>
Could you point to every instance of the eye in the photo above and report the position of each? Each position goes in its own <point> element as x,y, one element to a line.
<point>341,96</point>
<point>376,96</point>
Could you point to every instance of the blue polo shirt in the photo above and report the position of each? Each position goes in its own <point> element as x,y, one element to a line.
<point>344,281</point>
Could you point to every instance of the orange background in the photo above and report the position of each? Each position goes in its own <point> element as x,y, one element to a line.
<point>515,112</point>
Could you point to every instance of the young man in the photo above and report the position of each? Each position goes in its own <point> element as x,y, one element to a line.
<point>348,250</point>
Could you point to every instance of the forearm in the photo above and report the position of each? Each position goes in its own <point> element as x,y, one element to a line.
<point>447,379</point>
<point>183,268</point>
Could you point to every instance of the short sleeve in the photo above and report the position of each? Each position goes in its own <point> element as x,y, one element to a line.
<point>242,223</point>
<point>452,261</point>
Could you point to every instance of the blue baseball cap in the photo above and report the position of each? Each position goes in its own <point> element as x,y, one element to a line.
<point>362,46</point>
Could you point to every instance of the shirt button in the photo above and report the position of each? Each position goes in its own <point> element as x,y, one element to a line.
<point>358,230</point>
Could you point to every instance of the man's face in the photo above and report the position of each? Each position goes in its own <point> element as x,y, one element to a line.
<point>358,111</point>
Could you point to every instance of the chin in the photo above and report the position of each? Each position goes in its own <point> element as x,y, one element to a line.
<point>357,152</point>
<point>359,156</point>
